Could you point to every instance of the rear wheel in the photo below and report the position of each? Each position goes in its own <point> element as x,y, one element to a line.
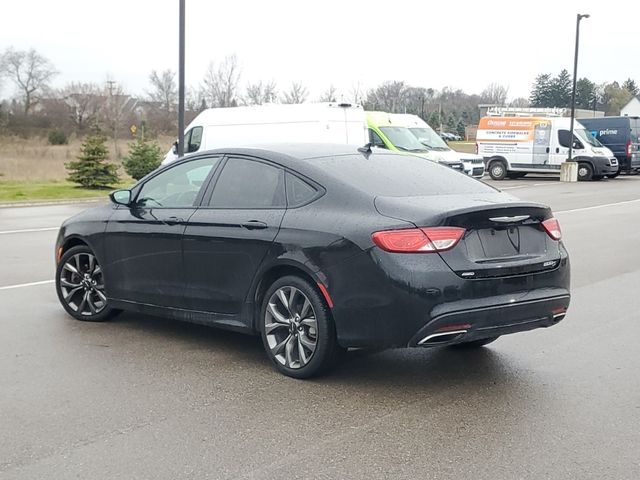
<point>80,286</point>
<point>297,329</point>
<point>585,172</point>
<point>474,343</point>
<point>498,170</point>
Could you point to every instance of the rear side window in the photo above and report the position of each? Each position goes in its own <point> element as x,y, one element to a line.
<point>299,192</point>
<point>635,130</point>
<point>246,183</point>
<point>386,174</point>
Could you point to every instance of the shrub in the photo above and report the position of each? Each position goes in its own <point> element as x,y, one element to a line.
<point>144,157</point>
<point>92,169</point>
<point>58,137</point>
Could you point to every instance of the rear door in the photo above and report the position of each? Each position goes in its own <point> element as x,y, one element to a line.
<point>227,238</point>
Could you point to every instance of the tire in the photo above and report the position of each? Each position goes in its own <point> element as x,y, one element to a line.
<point>80,286</point>
<point>498,170</point>
<point>597,178</point>
<point>474,343</point>
<point>585,172</point>
<point>289,325</point>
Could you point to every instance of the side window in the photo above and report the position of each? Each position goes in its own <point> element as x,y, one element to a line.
<point>375,139</point>
<point>195,139</point>
<point>249,184</point>
<point>178,186</point>
<point>563,140</point>
<point>298,191</point>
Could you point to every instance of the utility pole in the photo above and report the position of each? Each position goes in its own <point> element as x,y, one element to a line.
<point>181,80</point>
<point>111,84</point>
<point>573,89</point>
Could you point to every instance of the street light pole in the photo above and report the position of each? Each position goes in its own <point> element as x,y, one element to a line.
<point>573,89</point>
<point>181,81</point>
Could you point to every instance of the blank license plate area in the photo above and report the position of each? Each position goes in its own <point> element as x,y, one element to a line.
<point>497,243</point>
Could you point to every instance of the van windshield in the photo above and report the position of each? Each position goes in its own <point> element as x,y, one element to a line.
<point>584,135</point>
<point>403,139</point>
<point>429,138</point>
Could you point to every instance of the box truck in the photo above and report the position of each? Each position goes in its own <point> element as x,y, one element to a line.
<point>329,122</point>
<point>514,146</point>
<point>621,135</point>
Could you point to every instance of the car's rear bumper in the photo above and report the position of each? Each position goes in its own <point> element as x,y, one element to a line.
<point>502,319</point>
<point>389,300</point>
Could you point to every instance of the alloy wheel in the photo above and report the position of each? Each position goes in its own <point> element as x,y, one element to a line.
<point>290,327</point>
<point>82,284</point>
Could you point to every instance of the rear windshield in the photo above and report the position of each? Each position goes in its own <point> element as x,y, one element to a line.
<point>384,174</point>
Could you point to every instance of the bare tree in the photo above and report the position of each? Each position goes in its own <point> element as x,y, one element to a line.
<point>85,101</point>
<point>164,90</point>
<point>297,93</point>
<point>259,93</point>
<point>495,93</point>
<point>357,93</point>
<point>390,97</point>
<point>330,95</point>
<point>520,102</point>
<point>221,83</point>
<point>119,106</point>
<point>30,72</point>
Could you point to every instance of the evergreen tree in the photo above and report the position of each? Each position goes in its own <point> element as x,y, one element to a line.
<point>630,85</point>
<point>144,157</point>
<point>92,169</point>
<point>585,93</point>
<point>460,130</point>
<point>541,95</point>
<point>561,90</point>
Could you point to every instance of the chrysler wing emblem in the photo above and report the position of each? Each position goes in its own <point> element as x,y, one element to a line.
<point>515,219</point>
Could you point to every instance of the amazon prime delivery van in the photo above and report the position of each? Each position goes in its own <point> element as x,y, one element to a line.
<point>621,135</point>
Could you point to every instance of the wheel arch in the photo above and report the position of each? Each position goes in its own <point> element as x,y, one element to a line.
<point>497,158</point>
<point>278,270</point>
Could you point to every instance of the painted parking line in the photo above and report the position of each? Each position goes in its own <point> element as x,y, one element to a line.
<point>29,230</point>
<point>23,285</point>
<point>595,207</point>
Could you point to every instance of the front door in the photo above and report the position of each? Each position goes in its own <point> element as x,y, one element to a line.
<point>143,242</point>
<point>228,237</point>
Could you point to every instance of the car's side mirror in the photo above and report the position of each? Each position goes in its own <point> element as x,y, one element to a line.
<point>121,197</point>
<point>174,148</point>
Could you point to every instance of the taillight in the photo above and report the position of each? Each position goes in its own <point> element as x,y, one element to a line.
<point>629,151</point>
<point>552,227</point>
<point>418,240</point>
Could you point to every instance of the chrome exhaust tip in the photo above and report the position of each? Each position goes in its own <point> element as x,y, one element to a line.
<point>442,337</point>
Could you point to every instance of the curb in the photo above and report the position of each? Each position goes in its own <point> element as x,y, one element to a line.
<point>44,203</point>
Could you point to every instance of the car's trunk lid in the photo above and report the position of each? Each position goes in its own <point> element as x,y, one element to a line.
<point>503,236</point>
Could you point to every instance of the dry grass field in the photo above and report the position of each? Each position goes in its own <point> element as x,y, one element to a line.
<point>34,160</point>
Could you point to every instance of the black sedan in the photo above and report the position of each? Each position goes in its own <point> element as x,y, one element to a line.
<point>318,248</point>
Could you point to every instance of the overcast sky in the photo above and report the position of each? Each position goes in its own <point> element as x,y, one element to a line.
<point>461,44</point>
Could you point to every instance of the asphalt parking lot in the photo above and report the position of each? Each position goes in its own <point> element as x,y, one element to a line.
<point>141,397</point>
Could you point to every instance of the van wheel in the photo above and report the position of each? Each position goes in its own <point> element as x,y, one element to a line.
<point>497,170</point>
<point>585,172</point>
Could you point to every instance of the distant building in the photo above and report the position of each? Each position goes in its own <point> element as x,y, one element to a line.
<point>631,109</point>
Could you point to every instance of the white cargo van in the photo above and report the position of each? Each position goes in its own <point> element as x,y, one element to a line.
<point>246,126</point>
<point>514,146</point>
<point>438,150</point>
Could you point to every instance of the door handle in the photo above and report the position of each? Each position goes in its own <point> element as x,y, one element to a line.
<point>174,220</point>
<point>557,149</point>
<point>547,149</point>
<point>254,225</point>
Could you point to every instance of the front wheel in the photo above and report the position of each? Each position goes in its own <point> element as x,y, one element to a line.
<point>585,172</point>
<point>80,286</point>
<point>297,329</point>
